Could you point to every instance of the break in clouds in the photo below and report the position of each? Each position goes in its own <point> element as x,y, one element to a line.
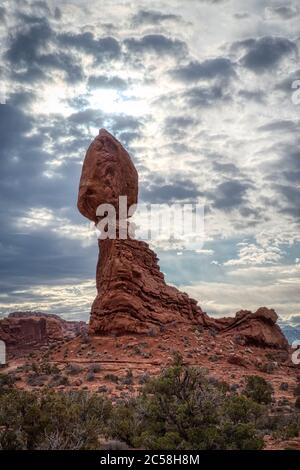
<point>200,93</point>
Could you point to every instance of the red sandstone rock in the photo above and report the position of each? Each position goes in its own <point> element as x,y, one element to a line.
<point>31,329</point>
<point>257,328</point>
<point>237,360</point>
<point>107,173</point>
<point>132,294</point>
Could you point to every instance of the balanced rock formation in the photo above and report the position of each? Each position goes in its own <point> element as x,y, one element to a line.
<point>32,329</point>
<point>107,174</point>
<point>132,294</point>
<point>258,328</point>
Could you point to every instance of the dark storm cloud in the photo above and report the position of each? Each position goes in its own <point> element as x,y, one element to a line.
<point>241,16</point>
<point>103,81</point>
<point>159,192</point>
<point>257,96</point>
<point>21,99</point>
<point>14,124</point>
<point>40,255</point>
<point>102,49</point>
<point>157,43</point>
<point>152,17</point>
<point>281,126</point>
<point>127,137</point>
<point>177,125</point>
<point>121,122</point>
<point>209,69</point>
<point>286,12</point>
<point>28,57</point>
<point>40,258</point>
<point>265,53</point>
<point>125,128</point>
<point>292,174</point>
<point>23,161</point>
<point>57,13</point>
<point>213,2</point>
<point>25,45</point>
<point>23,186</point>
<point>291,195</point>
<point>286,84</point>
<point>2,14</point>
<point>206,96</point>
<point>288,166</point>
<point>86,117</point>
<point>226,168</point>
<point>230,194</point>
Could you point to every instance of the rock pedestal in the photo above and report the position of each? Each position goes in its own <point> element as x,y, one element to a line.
<point>132,294</point>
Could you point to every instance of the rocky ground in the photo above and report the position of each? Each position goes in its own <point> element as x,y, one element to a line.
<point>120,365</point>
<point>121,362</point>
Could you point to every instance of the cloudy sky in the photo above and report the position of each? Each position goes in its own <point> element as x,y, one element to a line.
<point>200,92</point>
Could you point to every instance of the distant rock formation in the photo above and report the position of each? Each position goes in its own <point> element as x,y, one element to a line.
<point>132,294</point>
<point>258,329</point>
<point>31,329</point>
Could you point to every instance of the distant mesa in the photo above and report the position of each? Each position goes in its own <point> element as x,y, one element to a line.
<point>26,330</point>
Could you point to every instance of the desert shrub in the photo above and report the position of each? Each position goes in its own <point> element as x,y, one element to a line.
<point>95,368</point>
<point>111,378</point>
<point>128,379</point>
<point>297,403</point>
<point>58,380</point>
<point>258,389</point>
<point>144,378</point>
<point>51,420</point>
<point>284,426</point>
<point>181,409</point>
<point>36,380</point>
<point>90,376</point>
<point>48,369</point>
<point>73,369</point>
<point>6,380</point>
<point>45,368</point>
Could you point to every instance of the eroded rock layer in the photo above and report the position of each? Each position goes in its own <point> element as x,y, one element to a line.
<point>258,328</point>
<point>132,293</point>
<point>31,329</point>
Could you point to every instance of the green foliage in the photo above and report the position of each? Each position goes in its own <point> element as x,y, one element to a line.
<point>284,426</point>
<point>73,369</point>
<point>181,409</point>
<point>112,378</point>
<point>52,420</point>
<point>95,368</point>
<point>6,380</point>
<point>258,389</point>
